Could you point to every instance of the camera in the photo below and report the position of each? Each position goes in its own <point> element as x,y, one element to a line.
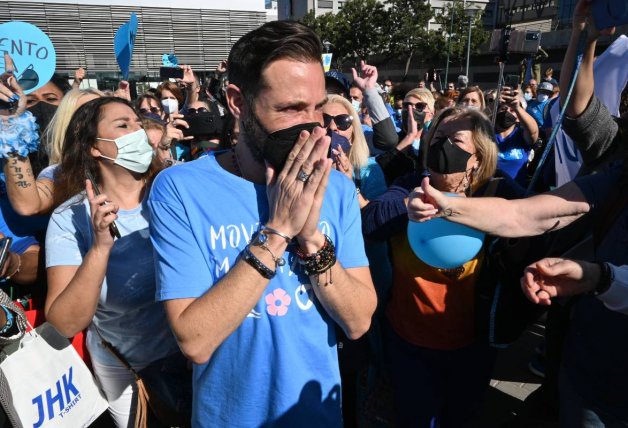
<point>516,41</point>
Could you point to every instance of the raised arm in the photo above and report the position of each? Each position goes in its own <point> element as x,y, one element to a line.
<point>500,217</point>
<point>384,134</point>
<point>74,290</point>
<point>18,133</point>
<point>583,88</point>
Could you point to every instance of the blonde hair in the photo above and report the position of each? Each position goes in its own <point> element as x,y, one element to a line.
<point>359,149</point>
<point>54,134</point>
<point>483,139</point>
<point>424,95</point>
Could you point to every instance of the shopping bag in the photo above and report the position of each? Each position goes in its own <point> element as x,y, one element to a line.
<point>44,383</point>
<point>34,311</point>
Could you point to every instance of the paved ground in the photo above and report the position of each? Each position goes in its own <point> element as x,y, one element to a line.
<point>511,382</point>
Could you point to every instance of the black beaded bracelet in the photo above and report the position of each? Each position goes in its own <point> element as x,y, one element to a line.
<point>320,261</point>
<point>257,264</point>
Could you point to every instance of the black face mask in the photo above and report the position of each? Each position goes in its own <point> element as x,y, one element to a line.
<point>504,120</point>
<point>419,117</point>
<point>278,144</point>
<point>43,113</point>
<point>446,157</point>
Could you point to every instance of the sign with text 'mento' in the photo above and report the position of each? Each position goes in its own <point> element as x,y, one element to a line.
<point>32,52</point>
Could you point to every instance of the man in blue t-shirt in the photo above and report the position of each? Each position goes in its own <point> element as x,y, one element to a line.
<point>536,107</point>
<point>259,249</point>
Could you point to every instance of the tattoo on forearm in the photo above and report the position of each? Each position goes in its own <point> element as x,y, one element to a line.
<point>18,174</point>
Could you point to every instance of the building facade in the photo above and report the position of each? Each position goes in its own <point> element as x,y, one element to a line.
<point>200,34</point>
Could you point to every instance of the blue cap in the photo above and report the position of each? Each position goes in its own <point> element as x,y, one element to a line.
<point>338,77</point>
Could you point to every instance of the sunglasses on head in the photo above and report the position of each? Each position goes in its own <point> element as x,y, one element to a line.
<point>197,110</point>
<point>418,106</point>
<point>342,121</point>
<point>155,110</point>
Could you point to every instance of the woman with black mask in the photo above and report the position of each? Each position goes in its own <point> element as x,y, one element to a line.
<point>439,365</point>
<point>515,131</point>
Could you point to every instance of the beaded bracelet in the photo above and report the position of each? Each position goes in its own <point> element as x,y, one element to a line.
<point>320,261</point>
<point>18,135</point>
<point>7,326</point>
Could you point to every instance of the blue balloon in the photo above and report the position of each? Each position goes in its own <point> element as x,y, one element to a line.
<point>444,244</point>
<point>32,53</point>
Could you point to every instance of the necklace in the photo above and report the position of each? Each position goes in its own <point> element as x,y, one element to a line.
<point>453,273</point>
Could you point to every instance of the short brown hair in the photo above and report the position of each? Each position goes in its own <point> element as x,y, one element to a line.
<point>172,87</point>
<point>273,41</point>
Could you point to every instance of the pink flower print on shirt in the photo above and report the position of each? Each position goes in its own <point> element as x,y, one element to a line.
<point>277,302</point>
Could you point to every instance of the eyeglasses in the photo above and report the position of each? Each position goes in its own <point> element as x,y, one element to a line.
<point>197,110</point>
<point>155,110</point>
<point>418,106</point>
<point>342,121</point>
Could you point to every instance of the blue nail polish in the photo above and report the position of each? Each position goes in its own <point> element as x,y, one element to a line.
<point>15,98</point>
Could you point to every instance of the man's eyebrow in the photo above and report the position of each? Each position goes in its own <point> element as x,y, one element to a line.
<point>322,103</point>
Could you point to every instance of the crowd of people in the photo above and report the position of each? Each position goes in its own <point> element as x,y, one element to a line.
<point>255,225</point>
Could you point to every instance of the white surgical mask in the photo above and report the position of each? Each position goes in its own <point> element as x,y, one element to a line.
<point>356,105</point>
<point>134,151</point>
<point>542,97</point>
<point>387,89</point>
<point>527,96</point>
<point>170,105</point>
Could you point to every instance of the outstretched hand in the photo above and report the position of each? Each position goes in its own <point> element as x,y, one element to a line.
<point>412,133</point>
<point>368,78</point>
<point>553,277</point>
<point>425,203</point>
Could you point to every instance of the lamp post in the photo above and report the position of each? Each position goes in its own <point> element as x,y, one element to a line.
<point>471,13</point>
<point>451,30</point>
<point>327,44</point>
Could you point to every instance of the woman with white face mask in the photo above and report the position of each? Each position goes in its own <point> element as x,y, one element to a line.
<point>99,257</point>
<point>171,98</point>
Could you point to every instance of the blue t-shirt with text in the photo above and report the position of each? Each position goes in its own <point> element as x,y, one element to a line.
<point>280,366</point>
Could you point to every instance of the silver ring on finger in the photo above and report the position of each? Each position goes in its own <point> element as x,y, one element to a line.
<point>302,176</point>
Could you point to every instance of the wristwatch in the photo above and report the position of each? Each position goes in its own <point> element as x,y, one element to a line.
<point>260,239</point>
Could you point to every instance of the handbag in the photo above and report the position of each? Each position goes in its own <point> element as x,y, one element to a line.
<point>58,389</point>
<point>164,390</point>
